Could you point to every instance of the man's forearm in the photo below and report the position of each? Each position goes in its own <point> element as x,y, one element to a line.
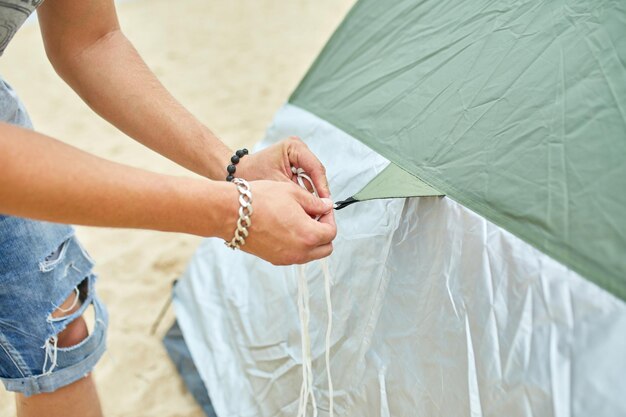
<point>132,98</point>
<point>46,179</point>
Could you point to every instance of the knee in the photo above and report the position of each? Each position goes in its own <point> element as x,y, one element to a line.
<point>73,334</point>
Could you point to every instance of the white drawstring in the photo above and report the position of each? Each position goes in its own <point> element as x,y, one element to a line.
<point>306,389</point>
<point>329,327</point>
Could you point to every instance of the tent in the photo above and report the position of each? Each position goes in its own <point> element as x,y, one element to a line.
<point>479,152</point>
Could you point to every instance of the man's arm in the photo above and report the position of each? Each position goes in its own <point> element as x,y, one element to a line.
<point>85,45</point>
<point>45,179</point>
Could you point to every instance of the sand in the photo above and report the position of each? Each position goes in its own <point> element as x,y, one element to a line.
<point>232,64</point>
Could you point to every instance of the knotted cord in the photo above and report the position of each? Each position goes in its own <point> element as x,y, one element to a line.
<point>306,389</point>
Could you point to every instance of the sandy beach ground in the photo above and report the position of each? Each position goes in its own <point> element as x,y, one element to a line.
<point>233,63</point>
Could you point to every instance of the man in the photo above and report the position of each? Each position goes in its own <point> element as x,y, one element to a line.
<point>46,281</point>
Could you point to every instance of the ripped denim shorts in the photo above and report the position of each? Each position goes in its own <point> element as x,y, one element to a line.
<point>42,265</point>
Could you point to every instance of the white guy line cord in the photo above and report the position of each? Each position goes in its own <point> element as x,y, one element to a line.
<point>306,389</point>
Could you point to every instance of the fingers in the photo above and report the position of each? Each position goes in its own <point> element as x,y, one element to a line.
<point>321,252</point>
<point>321,234</point>
<point>313,205</point>
<point>324,228</point>
<point>328,222</point>
<point>300,156</point>
<point>325,232</point>
<point>290,233</point>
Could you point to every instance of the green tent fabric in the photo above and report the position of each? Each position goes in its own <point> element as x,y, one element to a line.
<point>518,112</point>
<point>392,182</point>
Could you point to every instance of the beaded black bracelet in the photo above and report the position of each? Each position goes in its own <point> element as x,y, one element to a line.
<point>234,161</point>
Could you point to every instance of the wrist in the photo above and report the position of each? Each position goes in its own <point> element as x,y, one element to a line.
<point>214,157</point>
<point>244,220</point>
<point>208,209</point>
<point>224,209</point>
<point>231,169</point>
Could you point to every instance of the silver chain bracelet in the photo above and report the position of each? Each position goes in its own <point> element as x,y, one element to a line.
<point>245,211</point>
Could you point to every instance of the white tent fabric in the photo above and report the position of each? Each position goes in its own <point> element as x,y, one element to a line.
<point>436,312</point>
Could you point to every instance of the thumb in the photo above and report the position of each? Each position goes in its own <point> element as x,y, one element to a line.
<point>313,205</point>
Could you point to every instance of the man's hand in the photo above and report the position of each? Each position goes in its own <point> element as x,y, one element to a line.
<point>275,162</point>
<point>283,229</point>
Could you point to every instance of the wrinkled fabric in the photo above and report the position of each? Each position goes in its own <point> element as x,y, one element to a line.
<point>436,311</point>
<point>515,109</point>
